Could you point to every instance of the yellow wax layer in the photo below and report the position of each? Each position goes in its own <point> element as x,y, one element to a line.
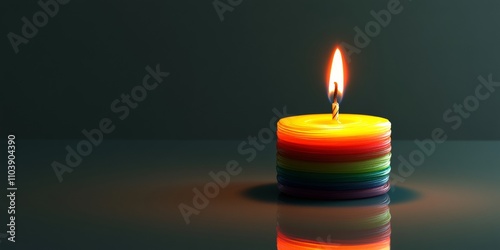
<point>321,126</point>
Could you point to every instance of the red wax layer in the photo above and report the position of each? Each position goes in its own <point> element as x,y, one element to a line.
<point>333,156</point>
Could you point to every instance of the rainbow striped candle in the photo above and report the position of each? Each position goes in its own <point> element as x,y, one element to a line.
<point>347,157</point>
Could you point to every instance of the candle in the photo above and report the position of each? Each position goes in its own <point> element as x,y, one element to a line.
<point>334,156</point>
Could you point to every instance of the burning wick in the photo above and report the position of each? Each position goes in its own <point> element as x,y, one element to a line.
<point>336,84</point>
<point>335,105</point>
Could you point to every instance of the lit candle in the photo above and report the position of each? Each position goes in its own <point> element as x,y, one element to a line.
<point>334,156</point>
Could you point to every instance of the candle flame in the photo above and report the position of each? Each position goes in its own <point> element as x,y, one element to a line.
<point>336,76</point>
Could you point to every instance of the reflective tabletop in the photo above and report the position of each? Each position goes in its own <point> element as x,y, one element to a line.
<point>208,195</point>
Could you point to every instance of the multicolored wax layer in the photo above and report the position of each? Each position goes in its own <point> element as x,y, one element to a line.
<point>318,157</point>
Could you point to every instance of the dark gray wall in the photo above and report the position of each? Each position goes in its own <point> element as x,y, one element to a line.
<point>226,76</point>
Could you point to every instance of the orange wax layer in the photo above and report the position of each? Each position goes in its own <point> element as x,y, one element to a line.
<point>318,138</point>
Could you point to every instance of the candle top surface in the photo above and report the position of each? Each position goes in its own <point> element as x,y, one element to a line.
<point>322,125</point>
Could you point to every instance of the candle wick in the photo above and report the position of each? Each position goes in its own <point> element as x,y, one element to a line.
<point>335,104</point>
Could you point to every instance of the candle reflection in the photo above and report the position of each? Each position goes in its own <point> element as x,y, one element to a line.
<point>353,224</point>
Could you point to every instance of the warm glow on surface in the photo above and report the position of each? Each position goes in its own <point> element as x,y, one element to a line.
<point>336,75</point>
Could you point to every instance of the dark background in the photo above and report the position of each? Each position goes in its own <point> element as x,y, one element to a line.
<point>227,76</point>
